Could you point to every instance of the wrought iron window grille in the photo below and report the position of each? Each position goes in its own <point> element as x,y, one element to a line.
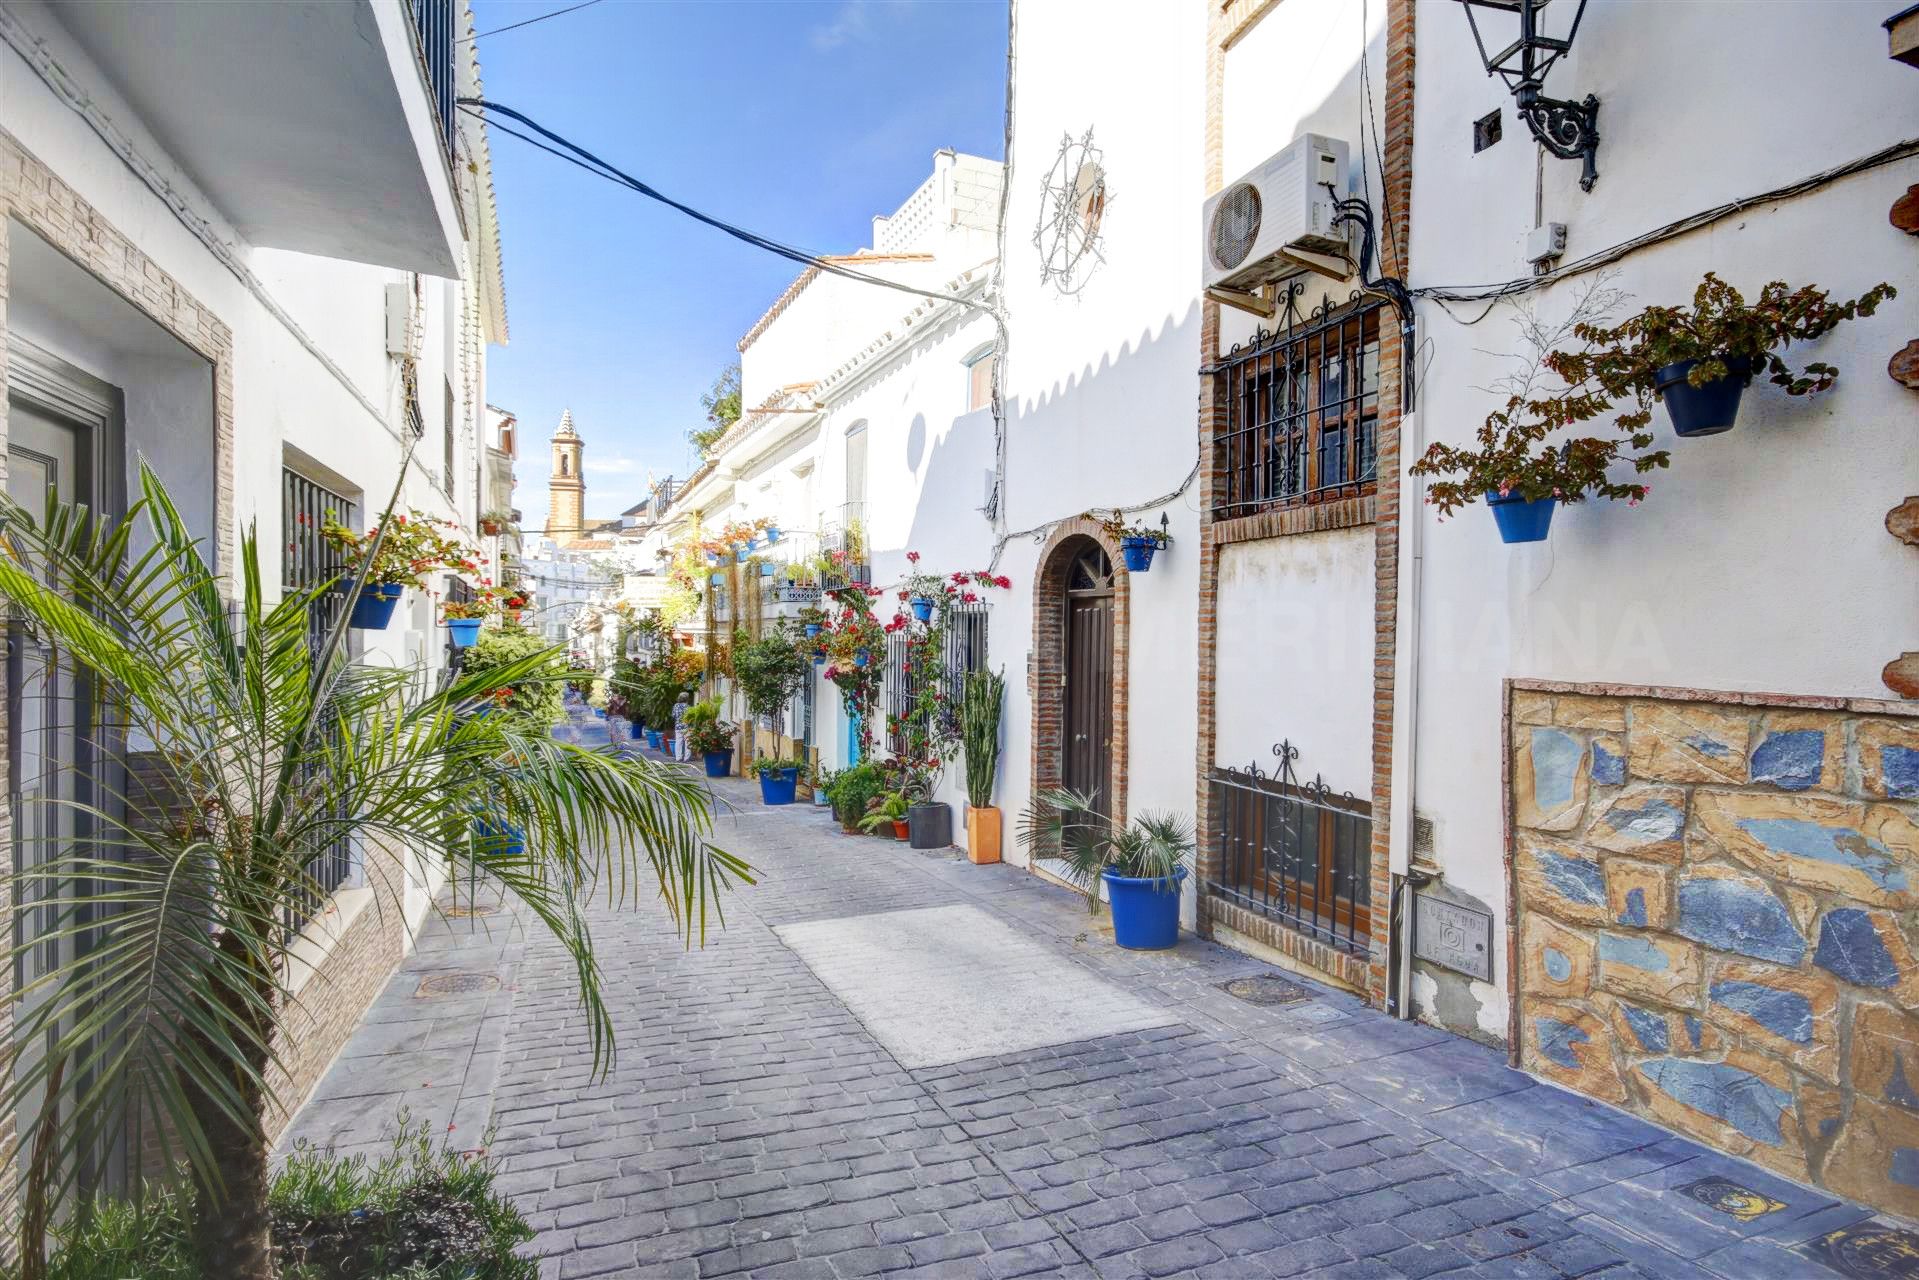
<point>1300,854</point>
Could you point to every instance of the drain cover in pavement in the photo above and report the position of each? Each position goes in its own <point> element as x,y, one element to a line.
<point>465,911</point>
<point>1723,1195</point>
<point>1265,990</point>
<point>1868,1251</point>
<point>437,986</point>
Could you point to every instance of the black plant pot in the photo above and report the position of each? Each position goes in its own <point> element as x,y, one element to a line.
<point>930,826</point>
<point>1706,410</point>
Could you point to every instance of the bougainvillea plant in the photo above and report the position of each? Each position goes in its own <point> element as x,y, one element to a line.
<point>415,546</point>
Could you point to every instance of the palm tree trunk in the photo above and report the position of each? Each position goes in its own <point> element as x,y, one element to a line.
<point>232,1224</point>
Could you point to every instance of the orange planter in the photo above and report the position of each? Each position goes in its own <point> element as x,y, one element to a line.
<point>899,829</point>
<point>982,834</point>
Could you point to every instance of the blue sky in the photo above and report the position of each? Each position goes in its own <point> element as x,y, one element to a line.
<point>800,119</point>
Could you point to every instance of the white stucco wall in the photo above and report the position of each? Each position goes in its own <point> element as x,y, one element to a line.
<point>1760,562</point>
<point>1295,655</point>
<point>340,424</point>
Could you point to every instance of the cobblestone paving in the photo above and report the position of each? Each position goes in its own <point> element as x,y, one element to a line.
<point>751,1125</point>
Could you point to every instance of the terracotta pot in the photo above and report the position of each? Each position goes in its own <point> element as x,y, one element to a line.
<point>900,831</point>
<point>491,528</point>
<point>982,834</point>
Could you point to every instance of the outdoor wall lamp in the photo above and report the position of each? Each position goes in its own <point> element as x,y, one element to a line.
<point>1567,129</point>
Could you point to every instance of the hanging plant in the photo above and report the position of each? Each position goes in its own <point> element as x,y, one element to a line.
<point>1699,359</point>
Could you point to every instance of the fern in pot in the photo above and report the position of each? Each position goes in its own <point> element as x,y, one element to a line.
<point>1142,864</point>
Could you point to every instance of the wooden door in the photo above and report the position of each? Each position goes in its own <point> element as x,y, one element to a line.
<point>1088,704</point>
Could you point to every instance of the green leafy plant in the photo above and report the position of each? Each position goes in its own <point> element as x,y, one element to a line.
<point>419,1212</point>
<point>706,731</point>
<point>779,765</point>
<point>402,548</point>
<point>534,701</point>
<point>270,744</point>
<point>884,810</point>
<point>1069,825</point>
<point>981,700</point>
<point>1117,529</point>
<point>850,790</point>
<point>769,672</point>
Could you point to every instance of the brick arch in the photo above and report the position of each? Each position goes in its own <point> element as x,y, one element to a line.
<point>1046,683</point>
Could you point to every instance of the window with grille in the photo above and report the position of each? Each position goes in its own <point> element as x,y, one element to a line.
<point>963,650</point>
<point>446,477</point>
<point>1302,410</point>
<point>306,561</point>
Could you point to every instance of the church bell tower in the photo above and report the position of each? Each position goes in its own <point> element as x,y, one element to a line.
<point>566,488</point>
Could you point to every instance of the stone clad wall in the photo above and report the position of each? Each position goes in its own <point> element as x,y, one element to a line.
<point>1715,922</point>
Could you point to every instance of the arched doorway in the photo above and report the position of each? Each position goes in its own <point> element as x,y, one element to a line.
<point>1079,666</point>
<point>1087,697</point>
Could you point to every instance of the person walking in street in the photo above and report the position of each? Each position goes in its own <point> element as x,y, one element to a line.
<point>680,751</point>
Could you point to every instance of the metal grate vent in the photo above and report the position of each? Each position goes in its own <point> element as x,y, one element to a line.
<point>1265,989</point>
<point>1235,226</point>
<point>437,986</point>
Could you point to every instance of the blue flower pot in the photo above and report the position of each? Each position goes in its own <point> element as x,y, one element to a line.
<point>766,570</point>
<point>861,657</point>
<point>717,579</point>
<point>1706,410</point>
<point>1138,553</point>
<point>779,788</point>
<point>599,713</point>
<point>500,839</point>
<point>719,764</point>
<point>1145,911</point>
<point>463,631</point>
<point>653,739</point>
<point>712,558</point>
<point>633,729</point>
<point>740,554</point>
<point>373,607</point>
<point>772,533</point>
<point>812,629</point>
<point>1520,520</point>
<point>922,608</point>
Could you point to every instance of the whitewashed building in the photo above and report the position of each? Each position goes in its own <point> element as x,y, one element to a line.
<point>193,273</point>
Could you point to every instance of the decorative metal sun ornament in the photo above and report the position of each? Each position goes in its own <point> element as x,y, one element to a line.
<point>1071,207</point>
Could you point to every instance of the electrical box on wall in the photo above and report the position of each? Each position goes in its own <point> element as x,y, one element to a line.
<point>1545,244</point>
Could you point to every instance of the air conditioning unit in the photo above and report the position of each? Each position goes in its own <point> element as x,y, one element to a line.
<point>1277,221</point>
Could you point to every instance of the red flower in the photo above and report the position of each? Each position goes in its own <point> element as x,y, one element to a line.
<point>913,557</point>
<point>1003,582</point>
<point>967,597</point>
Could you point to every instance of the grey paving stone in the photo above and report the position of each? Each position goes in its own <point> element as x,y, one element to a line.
<point>749,1123</point>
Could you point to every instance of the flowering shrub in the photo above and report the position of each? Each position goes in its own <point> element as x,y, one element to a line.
<point>415,546</point>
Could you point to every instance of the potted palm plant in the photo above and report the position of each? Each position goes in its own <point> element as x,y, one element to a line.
<point>980,702</point>
<point>199,873</point>
<point>1141,864</point>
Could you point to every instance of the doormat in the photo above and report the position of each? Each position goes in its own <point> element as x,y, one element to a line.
<point>437,986</point>
<point>1265,990</point>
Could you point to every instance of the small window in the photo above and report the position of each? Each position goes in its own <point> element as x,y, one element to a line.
<point>979,380</point>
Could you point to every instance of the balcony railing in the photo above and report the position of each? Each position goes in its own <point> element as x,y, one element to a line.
<point>843,532</point>
<point>433,23</point>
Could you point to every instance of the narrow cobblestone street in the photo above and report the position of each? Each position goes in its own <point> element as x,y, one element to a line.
<point>752,1123</point>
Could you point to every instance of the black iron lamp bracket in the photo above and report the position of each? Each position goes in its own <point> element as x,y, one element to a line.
<point>1570,130</point>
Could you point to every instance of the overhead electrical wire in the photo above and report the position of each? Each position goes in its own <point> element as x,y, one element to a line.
<point>515,26</point>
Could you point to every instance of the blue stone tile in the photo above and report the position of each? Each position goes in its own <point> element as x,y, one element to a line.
<point>1559,1040</point>
<point>1738,917</point>
<point>1555,756</point>
<point>1899,767</point>
<point>1609,770</point>
<point>1558,966</point>
<point>1786,1014</point>
<point>1851,948</point>
<point>1739,1098</point>
<point>1836,846</point>
<point>1694,1031</point>
<point>1707,745</point>
<point>1905,1167</point>
<point>1791,760</point>
<point>1574,879</point>
<point>1634,950</point>
<point>1635,912</point>
<point>1648,1028</point>
<point>1648,821</point>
